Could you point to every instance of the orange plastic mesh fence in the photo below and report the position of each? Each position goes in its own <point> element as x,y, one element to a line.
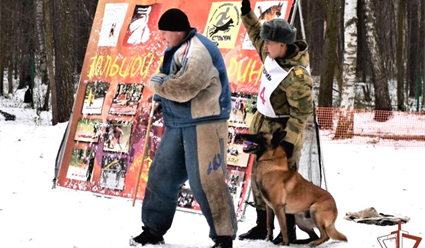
<point>359,126</point>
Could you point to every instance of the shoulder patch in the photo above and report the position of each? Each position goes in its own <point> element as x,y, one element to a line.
<point>298,72</point>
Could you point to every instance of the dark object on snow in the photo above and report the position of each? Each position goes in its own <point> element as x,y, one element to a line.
<point>146,237</point>
<point>371,216</point>
<point>291,230</point>
<point>223,242</point>
<point>260,230</point>
<point>9,117</point>
<point>28,96</point>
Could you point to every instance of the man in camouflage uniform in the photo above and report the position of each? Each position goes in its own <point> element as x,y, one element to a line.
<point>284,99</point>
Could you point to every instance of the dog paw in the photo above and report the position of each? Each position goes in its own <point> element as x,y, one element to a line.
<point>313,244</point>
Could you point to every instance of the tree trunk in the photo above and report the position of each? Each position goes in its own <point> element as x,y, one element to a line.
<point>363,63</point>
<point>27,49</point>
<point>361,46</point>
<point>382,96</point>
<point>9,77</point>
<point>339,54</point>
<point>2,59</point>
<point>41,42</point>
<point>314,25</point>
<point>328,58</point>
<point>400,60</point>
<point>2,62</point>
<point>422,48</point>
<point>413,60</point>
<point>345,127</point>
<point>328,64</point>
<point>49,50</point>
<point>350,54</point>
<point>45,106</point>
<point>64,59</point>
<point>1,74</point>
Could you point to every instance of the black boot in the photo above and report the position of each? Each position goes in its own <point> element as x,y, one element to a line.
<point>223,242</point>
<point>146,237</point>
<point>291,228</point>
<point>260,230</point>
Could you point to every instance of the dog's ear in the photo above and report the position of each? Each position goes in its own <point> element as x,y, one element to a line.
<point>275,139</point>
<point>278,135</point>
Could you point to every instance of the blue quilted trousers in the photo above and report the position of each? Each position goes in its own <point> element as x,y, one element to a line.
<point>197,154</point>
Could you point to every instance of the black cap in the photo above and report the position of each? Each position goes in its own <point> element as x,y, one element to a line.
<point>173,20</point>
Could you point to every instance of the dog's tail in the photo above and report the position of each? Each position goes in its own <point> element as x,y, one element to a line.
<point>334,234</point>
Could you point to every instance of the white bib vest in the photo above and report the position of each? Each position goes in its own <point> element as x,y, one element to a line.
<point>272,75</point>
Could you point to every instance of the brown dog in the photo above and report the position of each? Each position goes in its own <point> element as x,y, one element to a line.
<point>286,191</point>
<point>270,13</point>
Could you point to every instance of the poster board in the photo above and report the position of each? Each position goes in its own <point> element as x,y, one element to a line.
<point>102,151</point>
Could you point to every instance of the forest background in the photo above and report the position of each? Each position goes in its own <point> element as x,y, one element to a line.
<point>358,48</point>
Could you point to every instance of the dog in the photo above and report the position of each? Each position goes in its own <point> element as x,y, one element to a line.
<point>225,28</point>
<point>270,13</point>
<point>286,191</point>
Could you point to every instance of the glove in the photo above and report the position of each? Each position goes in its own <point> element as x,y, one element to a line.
<point>288,147</point>
<point>158,106</point>
<point>246,7</point>
<point>161,78</point>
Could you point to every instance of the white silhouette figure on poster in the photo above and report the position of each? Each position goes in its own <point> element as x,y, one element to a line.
<point>113,20</point>
<point>138,28</point>
<point>266,11</point>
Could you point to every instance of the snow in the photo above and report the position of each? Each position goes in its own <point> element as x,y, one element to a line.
<point>32,214</point>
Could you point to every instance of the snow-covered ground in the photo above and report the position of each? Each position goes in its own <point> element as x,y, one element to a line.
<point>32,214</point>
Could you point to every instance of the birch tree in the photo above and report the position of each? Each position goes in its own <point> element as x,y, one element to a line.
<point>350,54</point>
<point>42,57</point>
<point>41,41</point>
<point>49,50</point>
<point>382,96</point>
<point>345,126</point>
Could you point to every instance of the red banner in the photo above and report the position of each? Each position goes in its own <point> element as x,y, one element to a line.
<point>106,136</point>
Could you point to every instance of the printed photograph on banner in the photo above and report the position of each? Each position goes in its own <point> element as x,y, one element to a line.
<point>244,107</point>
<point>267,11</point>
<point>113,172</point>
<point>126,99</point>
<point>81,165</point>
<point>223,24</point>
<point>113,19</point>
<point>235,182</point>
<point>138,31</point>
<point>235,154</point>
<point>186,198</point>
<point>88,130</point>
<point>117,136</point>
<point>94,97</point>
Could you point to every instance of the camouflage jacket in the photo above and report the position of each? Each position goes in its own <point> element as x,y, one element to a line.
<point>293,96</point>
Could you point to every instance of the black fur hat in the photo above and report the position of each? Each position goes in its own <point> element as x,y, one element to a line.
<point>278,30</point>
<point>174,20</point>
